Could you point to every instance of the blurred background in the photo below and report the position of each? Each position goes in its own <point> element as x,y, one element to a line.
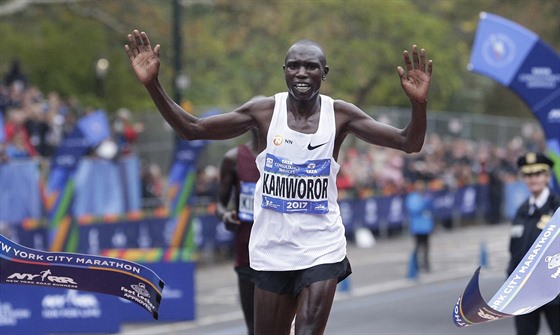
<point>65,76</point>
<point>66,56</point>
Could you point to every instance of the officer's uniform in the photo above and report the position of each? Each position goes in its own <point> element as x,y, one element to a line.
<point>530,219</point>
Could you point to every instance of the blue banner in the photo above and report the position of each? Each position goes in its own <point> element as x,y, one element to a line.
<point>145,241</point>
<point>128,280</point>
<point>533,284</point>
<point>39,310</point>
<point>178,292</point>
<point>387,212</point>
<point>180,193</point>
<point>60,187</point>
<point>73,146</point>
<point>518,59</point>
<point>500,48</point>
<point>145,233</point>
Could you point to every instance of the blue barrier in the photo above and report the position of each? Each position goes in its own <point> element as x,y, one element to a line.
<point>45,310</point>
<point>20,191</point>
<point>386,212</point>
<point>101,187</point>
<point>105,187</point>
<point>22,308</point>
<point>178,295</point>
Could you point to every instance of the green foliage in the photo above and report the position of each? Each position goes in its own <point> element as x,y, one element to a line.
<point>58,46</point>
<point>233,50</point>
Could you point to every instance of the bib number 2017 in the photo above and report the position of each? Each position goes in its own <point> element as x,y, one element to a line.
<point>296,205</point>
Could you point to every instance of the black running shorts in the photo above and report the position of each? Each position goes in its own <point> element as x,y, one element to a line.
<point>292,282</point>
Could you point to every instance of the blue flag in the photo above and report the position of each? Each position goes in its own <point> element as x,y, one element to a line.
<point>95,127</point>
<point>518,59</point>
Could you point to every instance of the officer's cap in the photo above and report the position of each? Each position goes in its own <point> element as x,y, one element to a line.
<point>533,162</point>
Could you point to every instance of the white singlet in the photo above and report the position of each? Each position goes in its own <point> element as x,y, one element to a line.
<point>297,221</point>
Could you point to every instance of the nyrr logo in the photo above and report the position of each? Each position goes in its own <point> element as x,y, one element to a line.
<point>43,278</point>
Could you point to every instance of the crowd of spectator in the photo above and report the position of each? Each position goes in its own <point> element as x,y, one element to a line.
<point>35,123</point>
<point>444,162</point>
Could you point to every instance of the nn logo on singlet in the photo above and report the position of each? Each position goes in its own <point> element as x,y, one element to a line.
<point>278,140</point>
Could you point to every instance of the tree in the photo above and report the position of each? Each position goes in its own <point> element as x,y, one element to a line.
<point>234,50</point>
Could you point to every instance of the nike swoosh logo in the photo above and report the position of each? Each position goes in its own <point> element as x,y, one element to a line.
<point>313,147</point>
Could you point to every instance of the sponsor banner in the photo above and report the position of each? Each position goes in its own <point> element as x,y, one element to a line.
<point>444,204</point>
<point>210,233</point>
<point>369,210</point>
<point>538,83</point>
<point>151,238</point>
<point>146,233</point>
<point>534,283</point>
<point>518,59</point>
<point>121,278</point>
<point>179,295</point>
<point>68,154</point>
<point>386,212</point>
<point>348,213</point>
<point>180,193</point>
<point>47,310</point>
<point>29,233</point>
<point>500,47</point>
<point>59,191</point>
<point>391,210</point>
<point>467,197</point>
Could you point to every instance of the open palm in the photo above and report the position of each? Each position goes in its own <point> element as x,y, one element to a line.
<point>416,81</point>
<point>145,61</point>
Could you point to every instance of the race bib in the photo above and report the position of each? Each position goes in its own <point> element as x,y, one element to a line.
<point>246,197</point>
<point>290,187</point>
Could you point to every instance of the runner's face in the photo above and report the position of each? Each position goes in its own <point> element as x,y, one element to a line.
<point>304,71</point>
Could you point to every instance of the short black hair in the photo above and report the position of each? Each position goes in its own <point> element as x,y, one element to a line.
<point>322,58</point>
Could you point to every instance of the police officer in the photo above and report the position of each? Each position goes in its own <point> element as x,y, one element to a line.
<point>530,219</point>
